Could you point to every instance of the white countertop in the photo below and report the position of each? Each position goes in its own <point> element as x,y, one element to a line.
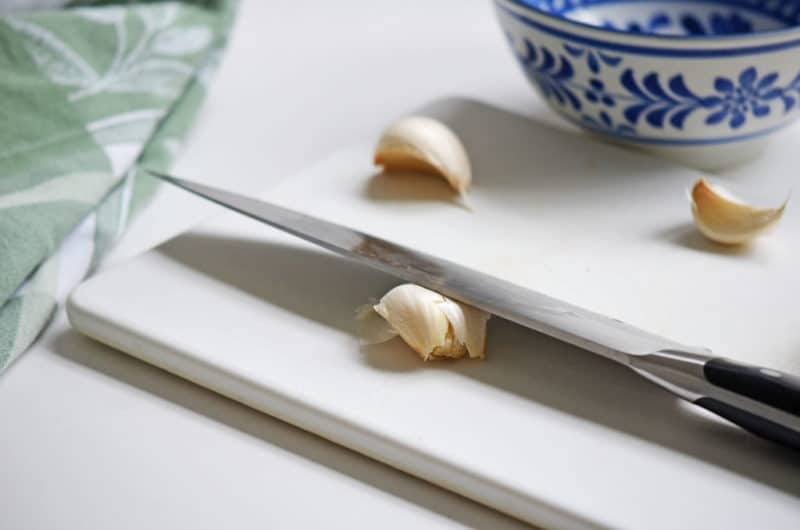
<point>91,438</point>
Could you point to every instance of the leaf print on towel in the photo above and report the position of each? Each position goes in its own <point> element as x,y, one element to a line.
<point>59,62</point>
<point>147,59</point>
<point>108,15</point>
<point>69,173</point>
<point>182,41</point>
<point>158,19</point>
<point>155,76</point>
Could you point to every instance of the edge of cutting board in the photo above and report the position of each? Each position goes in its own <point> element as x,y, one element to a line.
<point>444,474</point>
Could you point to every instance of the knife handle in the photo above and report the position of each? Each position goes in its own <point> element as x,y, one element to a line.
<point>763,385</point>
<point>763,401</point>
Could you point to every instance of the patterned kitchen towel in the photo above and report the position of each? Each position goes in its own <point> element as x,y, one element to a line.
<point>88,95</point>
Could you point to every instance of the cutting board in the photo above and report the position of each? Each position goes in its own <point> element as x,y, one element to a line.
<point>540,430</point>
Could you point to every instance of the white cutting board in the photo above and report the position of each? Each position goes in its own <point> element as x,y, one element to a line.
<point>540,430</point>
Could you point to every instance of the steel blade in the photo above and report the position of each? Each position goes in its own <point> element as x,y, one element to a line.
<point>600,334</point>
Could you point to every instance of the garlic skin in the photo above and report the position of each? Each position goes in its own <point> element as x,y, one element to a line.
<point>373,328</point>
<point>432,325</point>
<point>724,219</point>
<point>418,143</point>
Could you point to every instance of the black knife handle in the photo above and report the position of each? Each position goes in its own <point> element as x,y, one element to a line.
<point>764,401</point>
<point>774,388</point>
<point>764,385</point>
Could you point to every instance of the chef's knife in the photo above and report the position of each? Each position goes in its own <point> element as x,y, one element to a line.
<point>763,401</point>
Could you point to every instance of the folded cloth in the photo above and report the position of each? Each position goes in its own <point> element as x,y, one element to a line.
<point>89,94</point>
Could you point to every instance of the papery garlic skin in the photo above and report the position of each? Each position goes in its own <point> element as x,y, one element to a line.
<point>726,220</point>
<point>432,325</point>
<point>418,143</point>
<point>373,328</point>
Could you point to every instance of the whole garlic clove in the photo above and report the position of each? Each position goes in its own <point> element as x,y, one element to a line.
<point>431,324</point>
<point>724,219</point>
<point>418,143</point>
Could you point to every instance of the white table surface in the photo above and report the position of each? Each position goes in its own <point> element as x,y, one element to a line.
<point>93,439</point>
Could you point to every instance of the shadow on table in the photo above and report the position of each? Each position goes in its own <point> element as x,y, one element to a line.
<point>131,371</point>
<point>546,371</point>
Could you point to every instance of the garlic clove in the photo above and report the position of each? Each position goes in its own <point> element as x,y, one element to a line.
<point>433,325</point>
<point>418,143</point>
<point>724,219</point>
<point>469,326</point>
<point>413,313</point>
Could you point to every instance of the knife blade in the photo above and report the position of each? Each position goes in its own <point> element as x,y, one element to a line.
<point>763,401</point>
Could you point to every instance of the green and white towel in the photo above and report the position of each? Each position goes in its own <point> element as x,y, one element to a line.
<point>89,93</point>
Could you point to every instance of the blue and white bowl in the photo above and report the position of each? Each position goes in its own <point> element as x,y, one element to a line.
<point>704,82</point>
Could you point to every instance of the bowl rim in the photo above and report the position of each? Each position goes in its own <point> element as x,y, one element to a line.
<point>789,32</point>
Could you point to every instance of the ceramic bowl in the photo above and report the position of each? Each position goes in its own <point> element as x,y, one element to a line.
<point>704,82</point>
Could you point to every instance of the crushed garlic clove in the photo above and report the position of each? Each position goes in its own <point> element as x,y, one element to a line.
<point>469,326</point>
<point>432,325</point>
<point>418,143</point>
<point>724,219</point>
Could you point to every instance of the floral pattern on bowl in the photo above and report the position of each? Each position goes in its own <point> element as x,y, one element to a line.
<point>727,81</point>
<point>714,23</point>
